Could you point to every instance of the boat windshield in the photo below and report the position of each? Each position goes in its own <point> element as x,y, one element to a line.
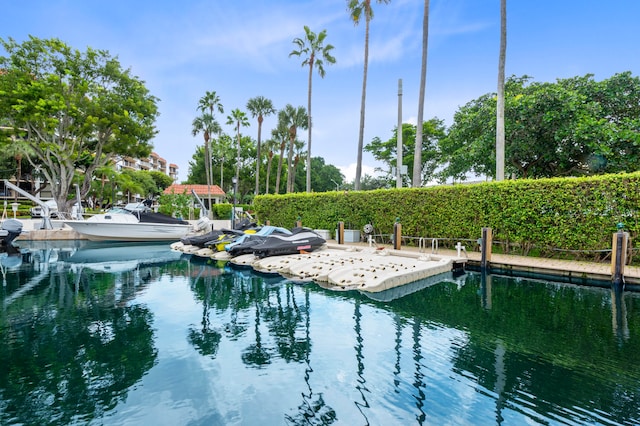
<point>118,210</point>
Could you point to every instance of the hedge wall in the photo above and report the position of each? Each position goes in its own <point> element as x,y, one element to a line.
<point>548,215</point>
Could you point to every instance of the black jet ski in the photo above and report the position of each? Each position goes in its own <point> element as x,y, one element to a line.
<point>247,242</point>
<point>305,240</point>
<point>201,240</point>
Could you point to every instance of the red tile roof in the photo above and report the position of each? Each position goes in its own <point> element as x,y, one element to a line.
<point>201,190</point>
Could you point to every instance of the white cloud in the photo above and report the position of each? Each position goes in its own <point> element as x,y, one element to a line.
<point>349,171</point>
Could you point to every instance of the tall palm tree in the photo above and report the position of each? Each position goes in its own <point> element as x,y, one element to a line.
<point>259,107</point>
<point>315,53</point>
<point>281,135</point>
<point>208,104</point>
<point>500,138</point>
<point>239,119</point>
<point>206,125</point>
<point>357,9</point>
<point>417,158</point>
<point>293,118</point>
<point>270,145</point>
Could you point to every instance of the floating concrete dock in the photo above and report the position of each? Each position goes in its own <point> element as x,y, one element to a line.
<point>569,270</point>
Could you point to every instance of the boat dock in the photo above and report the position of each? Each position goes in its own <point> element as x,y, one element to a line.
<point>568,270</point>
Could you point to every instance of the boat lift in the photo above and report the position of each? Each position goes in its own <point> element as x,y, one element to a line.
<point>46,214</point>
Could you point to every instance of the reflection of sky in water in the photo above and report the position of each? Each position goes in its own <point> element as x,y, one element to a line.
<point>186,385</point>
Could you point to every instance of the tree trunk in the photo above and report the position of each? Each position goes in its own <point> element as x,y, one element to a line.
<point>309,126</point>
<point>362,105</point>
<point>278,176</point>
<point>258,155</point>
<point>290,177</point>
<point>417,159</point>
<point>269,161</point>
<point>500,136</point>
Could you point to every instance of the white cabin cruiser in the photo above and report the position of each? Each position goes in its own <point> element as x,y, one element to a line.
<point>134,222</point>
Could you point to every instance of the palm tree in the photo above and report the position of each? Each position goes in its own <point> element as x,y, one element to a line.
<point>208,104</point>
<point>417,159</point>
<point>259,107</point>
<point>315,53</point>
<point>500,142</point>
<point>293,118</point>
<point>239,119</point>
<point>280,134</point>
<point>270,145</point>
<point>357,9</point>
<point>206,125</point>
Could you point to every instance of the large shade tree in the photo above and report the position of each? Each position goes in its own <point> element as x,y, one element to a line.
<point>259,107</point>
<point>75,110</point>
<point>572,127</point>
<point>433,131</point>
<point>357,10</point>
<point>315,53</point>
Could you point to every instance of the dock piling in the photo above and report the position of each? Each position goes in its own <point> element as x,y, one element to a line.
<point>619,257</point>
<point>397,234</point>
<point>485,247</point>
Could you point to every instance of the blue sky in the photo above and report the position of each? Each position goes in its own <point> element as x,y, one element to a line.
<point>240,48</point>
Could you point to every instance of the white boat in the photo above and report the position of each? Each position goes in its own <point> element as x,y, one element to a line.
<point>131,224</point>
<point>118,257</point>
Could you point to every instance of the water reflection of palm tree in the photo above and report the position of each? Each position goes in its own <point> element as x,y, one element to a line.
<point>257,355</point>
<point>206,340</point>
<point>283,320</point>
<point>361,386</point>
<point>398,349</point>
<point>418,383</point>
<point>313,409</point>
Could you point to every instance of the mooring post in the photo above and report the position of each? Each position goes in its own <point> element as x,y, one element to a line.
<point>340,236</point>
<point>619,255</point>
<point>299,222</point>
<point>397,234</point>
<point>485,247</point>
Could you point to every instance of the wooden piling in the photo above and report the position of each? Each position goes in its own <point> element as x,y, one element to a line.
<point>397,235</point>
<point>619,257</point>
<point>340,236</point>
<point>485,247</point>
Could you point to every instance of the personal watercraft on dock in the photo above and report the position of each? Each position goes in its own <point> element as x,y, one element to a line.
<point>304,240</point>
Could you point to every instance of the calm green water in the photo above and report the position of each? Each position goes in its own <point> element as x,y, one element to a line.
<point>91,334</point>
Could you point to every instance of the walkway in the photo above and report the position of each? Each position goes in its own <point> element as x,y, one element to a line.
<point>570,269</point>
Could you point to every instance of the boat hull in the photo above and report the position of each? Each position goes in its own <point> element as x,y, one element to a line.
<point>141,231</point>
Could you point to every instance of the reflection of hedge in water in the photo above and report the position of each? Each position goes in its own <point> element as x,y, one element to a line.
<point>524,316</point>
<point>72,358</point>
<point>526,215</point>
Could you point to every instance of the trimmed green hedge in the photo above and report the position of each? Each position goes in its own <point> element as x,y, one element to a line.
<point>545,215</point>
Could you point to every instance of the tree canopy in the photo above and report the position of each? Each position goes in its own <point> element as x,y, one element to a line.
<point>433,131</point>
<point>572,127</point>
<point>74,110</point>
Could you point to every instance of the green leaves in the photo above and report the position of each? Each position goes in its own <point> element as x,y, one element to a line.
<point>573,127</point>
<point>567,214</point>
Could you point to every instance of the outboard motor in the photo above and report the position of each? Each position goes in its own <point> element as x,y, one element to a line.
<point>11,229</point>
